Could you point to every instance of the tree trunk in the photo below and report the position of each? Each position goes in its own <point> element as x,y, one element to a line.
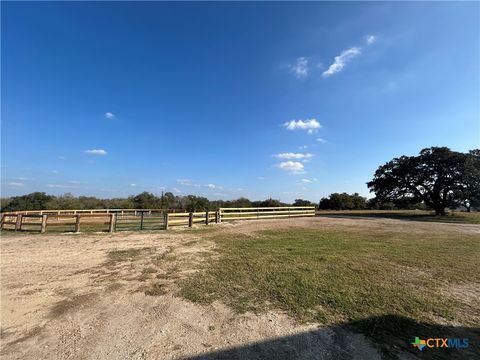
<point>440,211</point>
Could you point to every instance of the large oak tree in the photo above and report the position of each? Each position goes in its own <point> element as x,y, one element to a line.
<point>438,177</point>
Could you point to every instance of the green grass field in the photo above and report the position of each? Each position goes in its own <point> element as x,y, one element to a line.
<point>416,215</point>
<point>359,278</point>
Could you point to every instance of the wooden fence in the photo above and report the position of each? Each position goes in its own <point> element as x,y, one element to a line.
<point>265,212</point>
<point>138,219</point>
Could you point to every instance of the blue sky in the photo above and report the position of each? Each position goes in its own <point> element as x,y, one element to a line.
<point>283,100</point>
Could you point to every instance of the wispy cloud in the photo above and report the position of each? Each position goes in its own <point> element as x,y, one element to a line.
<point>212,186</point>
<point>100,152</point>
<point>188,182</point>
<point>294,155</point>
<point>110,116</point>
<point>55,171</point>
<point>306,180</point>
<point>61,158</point>
<point>15,184</point>
<point>291,166</point>
<point>322,141</point>
<point>300,67</point>
<point>60,186</point>
<point>133,185</point>
<point>185,182</point>
<point>175,190</point>
<point>311,125</point>
<point>345,56</point>
<point>341,61</point>
<point>370,39</point>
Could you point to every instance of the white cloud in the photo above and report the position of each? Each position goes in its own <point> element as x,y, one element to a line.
<point>15,184</point>
<point>292,166</point>
<point>300,68</point>
<point>311,125</point>
<point>100,152</point>
<point>341,61</point>
<point>110,116</point>
<point>185,182</point>
<point>320,140</point>
<point>175,190</point>
<point>61,158</point>
<point>211,186</point>
<point>303,147</point>
<point>370,39</point>
<point>293,156</point>
<point>261,178</point>
<point>58,186</point>
<point>306,180</point>
<point>133,185</point>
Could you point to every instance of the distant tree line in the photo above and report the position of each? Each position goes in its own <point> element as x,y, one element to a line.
<point>145,200</point>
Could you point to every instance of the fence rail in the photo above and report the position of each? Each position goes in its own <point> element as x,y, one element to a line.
<point>265,212</point>
<point>138,219</point>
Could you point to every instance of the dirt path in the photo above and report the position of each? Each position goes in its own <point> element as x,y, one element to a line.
<point>113,297</point>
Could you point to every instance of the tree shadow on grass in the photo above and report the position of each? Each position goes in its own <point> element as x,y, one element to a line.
<point>389,337</point>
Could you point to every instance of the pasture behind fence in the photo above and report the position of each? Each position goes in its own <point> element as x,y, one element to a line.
<point>138,219</point>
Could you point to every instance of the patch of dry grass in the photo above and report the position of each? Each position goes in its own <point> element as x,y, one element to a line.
<point>335,277</point>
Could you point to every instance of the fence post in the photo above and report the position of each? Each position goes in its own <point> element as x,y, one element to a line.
<point>219,215</point>
<point>2,221</point>
<point>166,221</point>
<point>216,216</point>
<point>44,224</point>
<point>77,223</point>
<point>113,218</point>
<point>18,224</point>
<point>190,219</point>
<point>141,220</point>
<point>206,217</point>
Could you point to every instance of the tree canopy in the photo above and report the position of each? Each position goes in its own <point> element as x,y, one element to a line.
<point>343,201</point>
<point>437,177</point>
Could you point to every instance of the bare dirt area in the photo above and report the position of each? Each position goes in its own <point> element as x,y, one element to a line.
<point>102,296</point>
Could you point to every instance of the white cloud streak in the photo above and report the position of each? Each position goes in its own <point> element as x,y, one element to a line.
<point>341,61</point>
<point>311,125</point>
<point>100,152</point>
<point>293,156</point>
<point>15,184</point>
<point>58,186</point>
<point>185,182</point>
<point>110,115</point>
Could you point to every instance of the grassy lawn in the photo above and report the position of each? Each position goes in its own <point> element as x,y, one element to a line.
<point>340,277</point>
<point>417,215</point>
